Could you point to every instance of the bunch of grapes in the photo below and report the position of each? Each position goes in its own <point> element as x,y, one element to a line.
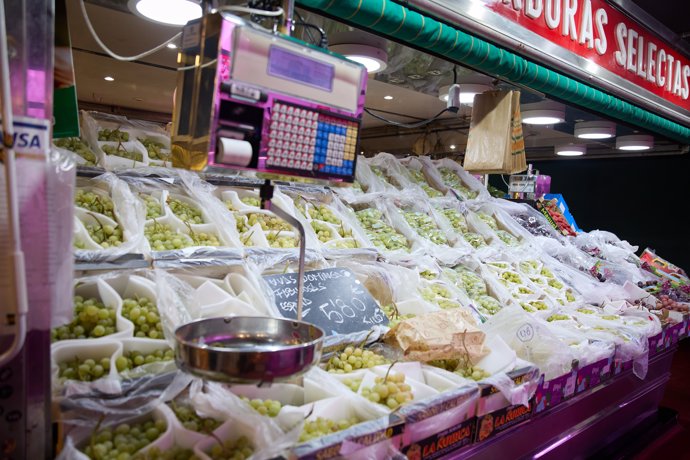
<point>394,316</point>
<point>558,317</point>
<point>533,225</point>
<point>472,283</point>
<point>487,304</point>
<point>239,449</point>
<point>474,239</point>
<point>85,370</point>
<point>425,226</point>
<point>324,213</point>
<point>191,420</point>
<point>251,201</point>
<point>204,239</point>
<point>144,314</point>
<point>92,319</point>
<point>172,453</point>
<point>76,145</point>
<point>268,407</point>
<point>275,240</point>
<point>121,151</point>
<point>133,359</point>
<point>124,440</point>
<point>94,202</point>
<point>322,426</point>
<point>162,237</point>
<point>456,219</point>
<point>391,392</point>
<point>489,220</point>
<point>352,384</point>
<point>153,206</point>
<point>353,358</point>
<point>185,212</point>
<point>106,236</point>
<point>346,243</point>
<point>472,372</point>
<point>511,277</point>
<point>266,221</point>
<point>323,231</point>
<point>154,149</point>
<point>113,135</point>
<point>381,234</point>
<point>507,238</point>
<point>418,177</point>
<point>453,180</point>
<point>533,306</point>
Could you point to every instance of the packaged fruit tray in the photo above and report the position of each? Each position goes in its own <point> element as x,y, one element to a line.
<point>464,184</point>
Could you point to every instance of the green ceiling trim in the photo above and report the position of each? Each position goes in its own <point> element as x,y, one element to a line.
<point>402,24</point>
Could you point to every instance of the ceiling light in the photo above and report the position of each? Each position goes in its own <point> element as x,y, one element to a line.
<point>543,113</point>
<point>373,58</point>
<point>467,92</point>
<point>637,142</point>
<point>172,46</point>
<point>595,130</point>
<point>388,98</point>
<point>452,146</point>
<point>171,12</point>
<point>108,78</point>
<point>572,150</point>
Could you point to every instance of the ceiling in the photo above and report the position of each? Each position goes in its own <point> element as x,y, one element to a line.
<point>144,88</point>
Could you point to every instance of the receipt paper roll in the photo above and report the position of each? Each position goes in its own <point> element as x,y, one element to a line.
<point>234,152</point>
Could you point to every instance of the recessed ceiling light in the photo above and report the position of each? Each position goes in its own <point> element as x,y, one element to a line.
<point>373,58</point>
<point>573,150</point>
<point>543,113</point>
<point>635,143</point>
<point>452,146</point>
<point>467,92</point>
<point>595,130</point>
<point>388,98</point>
<point>171,12</point>
<point>108,78</point>
<point>172,46</point>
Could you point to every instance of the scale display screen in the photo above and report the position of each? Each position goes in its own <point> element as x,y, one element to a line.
<point>291,66</point>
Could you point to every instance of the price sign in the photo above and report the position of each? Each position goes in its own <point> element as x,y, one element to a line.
<point>333,299</point>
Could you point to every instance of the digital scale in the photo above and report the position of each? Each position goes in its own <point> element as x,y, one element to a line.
<point>529,186</point>
<point>254,100</point>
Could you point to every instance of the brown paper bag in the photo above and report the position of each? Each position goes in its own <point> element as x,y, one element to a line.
<point>443,334</point>
<point>495,144</point>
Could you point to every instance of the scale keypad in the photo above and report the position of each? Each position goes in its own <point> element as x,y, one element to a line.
<point>306,140</point>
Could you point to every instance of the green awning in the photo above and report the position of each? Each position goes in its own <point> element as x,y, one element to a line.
<point>402,24</point>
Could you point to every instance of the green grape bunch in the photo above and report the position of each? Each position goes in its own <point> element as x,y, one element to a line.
<point>275,240</point>
<point>267,407</point>
<point>353,358</point>
<point>192,421</point>
<point>133,359</point>
<point>425,226</point>
<point>390,391</point>
<point>382,235</point>
<point>456,219</point>
<point>475,240</point>
<point>106,235</point>
<point>144,314</point>
<point>121,151</point>
<point>451,179</point>
<point>153,206</point>
<point>124,441</point>
<point>78,146</point>
<point>94,202</point>
<point>265,221</point>
<point>489,220</point>
<point>85,370</point>
<point>155,149</point>
<point>113,135</point>
<point>162,237</point>
<point>240,449</point>
<point>185,212</point>
<point>92,319</point>
<point>419,178</point>
<point>394,316</point>
<point>323,426</point>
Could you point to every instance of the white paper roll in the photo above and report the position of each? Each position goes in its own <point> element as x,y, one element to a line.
<point>234,152</point>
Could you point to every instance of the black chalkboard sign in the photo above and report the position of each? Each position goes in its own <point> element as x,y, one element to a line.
<point>333,299</point>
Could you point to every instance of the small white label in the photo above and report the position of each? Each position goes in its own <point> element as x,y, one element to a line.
<point>525,333</point>
<point>191,36</point>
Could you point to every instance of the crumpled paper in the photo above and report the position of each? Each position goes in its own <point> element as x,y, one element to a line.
<point>439,335</point>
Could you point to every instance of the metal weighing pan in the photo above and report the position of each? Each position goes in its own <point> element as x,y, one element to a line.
<point>247,349</point>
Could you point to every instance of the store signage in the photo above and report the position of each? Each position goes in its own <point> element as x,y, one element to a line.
<point>333,299</point>
<point>31,136</point>
<point>590,39</point>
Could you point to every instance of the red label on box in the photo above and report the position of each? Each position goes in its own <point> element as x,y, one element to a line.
<point>440,444</point>
<point>493,423</point>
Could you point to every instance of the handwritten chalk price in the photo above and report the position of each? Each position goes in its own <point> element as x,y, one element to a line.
<point>333,299</point>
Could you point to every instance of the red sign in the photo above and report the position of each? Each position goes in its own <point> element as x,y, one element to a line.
<point>600,33</point>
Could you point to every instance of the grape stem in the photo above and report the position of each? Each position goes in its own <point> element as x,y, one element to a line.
<point>385,378</point>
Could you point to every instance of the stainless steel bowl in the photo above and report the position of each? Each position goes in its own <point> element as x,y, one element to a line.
<point>247,349</point>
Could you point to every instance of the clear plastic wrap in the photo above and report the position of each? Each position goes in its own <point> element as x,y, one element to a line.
<point>532,220</point>
<point>503,228</point>
<point>423,174</point>
<point>393,175</point>
<point>466,186</point>
<point>532,340</point>
<point>107,210</point>
<point>114,139</point>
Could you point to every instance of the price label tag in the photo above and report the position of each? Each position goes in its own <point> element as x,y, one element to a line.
<point>333,299</point>
<point>525,333</point>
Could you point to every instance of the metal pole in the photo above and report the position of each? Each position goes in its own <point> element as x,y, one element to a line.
<point>288,12</point>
